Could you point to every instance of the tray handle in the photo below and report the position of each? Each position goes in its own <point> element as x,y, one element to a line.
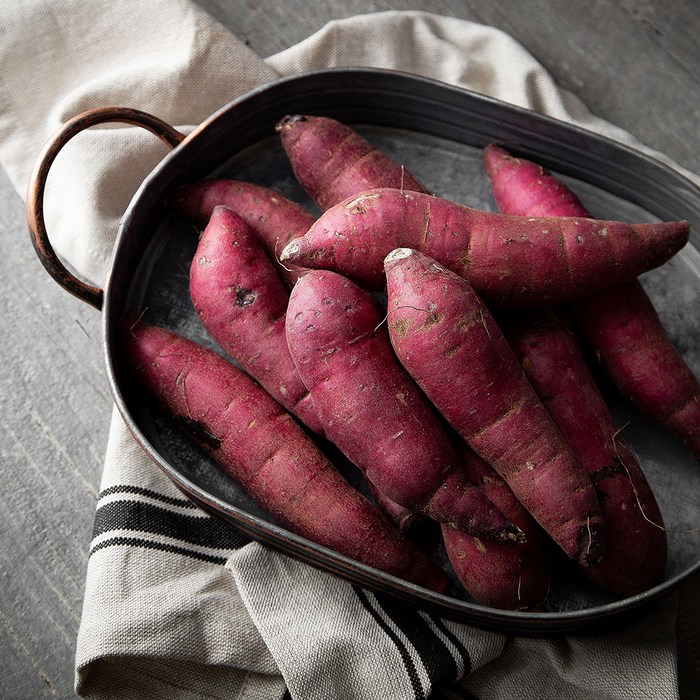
<point>37,186</point>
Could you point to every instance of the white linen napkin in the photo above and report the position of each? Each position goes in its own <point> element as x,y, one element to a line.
<point>178,605</point>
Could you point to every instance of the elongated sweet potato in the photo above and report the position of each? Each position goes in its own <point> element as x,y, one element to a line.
<point>553,361</point>
<point>625,332</point>
<point>511,576</point>
<point>262,447</point>
<point>509,260</point>
<point>620,324</point>
<point>373,411</point>
<point>242,301</point>
<point>332,161</point>
<point>523,188</point>
<point>446,338</point>
<point>274,219</point>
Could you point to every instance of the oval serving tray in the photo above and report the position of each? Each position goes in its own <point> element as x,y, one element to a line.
<point>437,131</point>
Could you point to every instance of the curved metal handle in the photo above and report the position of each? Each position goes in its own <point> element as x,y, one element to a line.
<point>37,186</point>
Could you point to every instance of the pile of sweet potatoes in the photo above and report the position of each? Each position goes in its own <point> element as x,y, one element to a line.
<point>443,350</point>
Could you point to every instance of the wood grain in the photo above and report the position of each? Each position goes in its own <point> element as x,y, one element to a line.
<point>633,62</point>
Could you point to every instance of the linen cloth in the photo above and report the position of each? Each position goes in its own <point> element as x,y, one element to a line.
<point>178,605</point>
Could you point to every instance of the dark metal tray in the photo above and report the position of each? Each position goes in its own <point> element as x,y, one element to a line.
<point>437,131</point>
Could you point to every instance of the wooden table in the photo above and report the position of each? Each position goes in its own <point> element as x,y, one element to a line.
<point>633,62</point>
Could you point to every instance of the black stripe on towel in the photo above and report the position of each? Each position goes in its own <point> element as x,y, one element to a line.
<point>466,659</point>
<point>151,544</point>
<point>405,655</point>
<point>140,491</point>
<point>146,517</point>
<point>436,657</point>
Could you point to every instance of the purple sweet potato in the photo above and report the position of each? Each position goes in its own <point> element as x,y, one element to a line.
<point>524,188</point>
<point>625,332</point>
<point>332,161</point>
<point>553,361</point>
<point>509,260</point>
<point>445,337</point>
<point>242,301</point>
<point>620,324</point>
<point>274,219</point>
<point>373,411</point>
<point>262,447</point>
<point>510,576</point>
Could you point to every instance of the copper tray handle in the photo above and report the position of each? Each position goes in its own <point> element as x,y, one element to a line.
<point>37,186</point>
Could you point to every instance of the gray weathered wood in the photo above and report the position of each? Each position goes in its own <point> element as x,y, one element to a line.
<point>633,62</point>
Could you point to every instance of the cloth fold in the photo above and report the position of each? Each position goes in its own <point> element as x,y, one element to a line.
<point>176,603</point>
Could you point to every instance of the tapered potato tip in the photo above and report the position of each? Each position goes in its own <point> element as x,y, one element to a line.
<point>289,120</point>
<point>290,251</point>
<point>398,254</point>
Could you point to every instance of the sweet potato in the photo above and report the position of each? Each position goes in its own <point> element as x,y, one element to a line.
<point>274,218</point>
<point>511,576</point>
<point>523,188</point>
<point>625,332</point>
<point>620,324</point>
<point>242,301</point>
<point>509,260</point>
<point>553,361</point>
<point>262,447</point>
<point>332,161</point>
<point>373,411</point>
<point>445,337</point>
